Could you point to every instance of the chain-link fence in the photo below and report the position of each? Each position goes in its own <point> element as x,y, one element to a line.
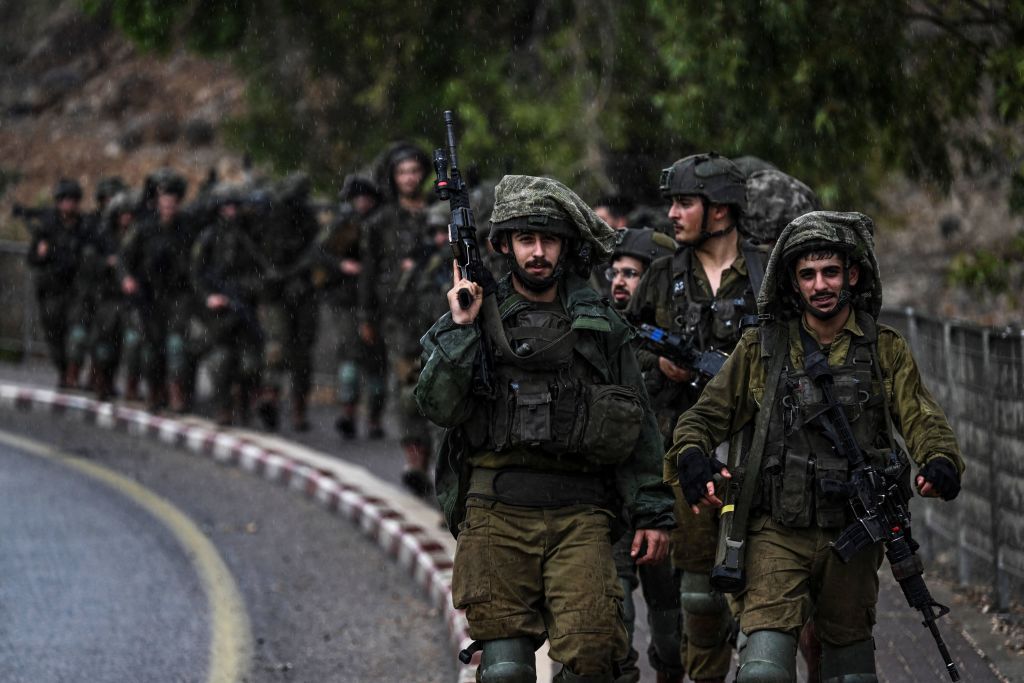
<point>977,375</point>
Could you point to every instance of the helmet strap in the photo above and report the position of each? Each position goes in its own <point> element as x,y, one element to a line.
<point>705,234</point>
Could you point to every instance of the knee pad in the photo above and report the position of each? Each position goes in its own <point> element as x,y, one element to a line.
<point>508,660</point>
<point>666,632</point>
<point>768,657</point>
<point>707,615</point>
<point>854,663</point>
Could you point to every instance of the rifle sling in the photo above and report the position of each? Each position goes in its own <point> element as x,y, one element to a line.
<point>490,324</point>
<point>777,338</point>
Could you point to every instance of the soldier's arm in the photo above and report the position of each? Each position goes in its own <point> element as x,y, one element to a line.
<point>915,413</point>
<point>728,402</point>
<point>444,388</point>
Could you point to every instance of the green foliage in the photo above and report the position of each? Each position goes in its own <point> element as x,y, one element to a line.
<point>9,178</point>
<point>603,94</point>
<point>986,271</point>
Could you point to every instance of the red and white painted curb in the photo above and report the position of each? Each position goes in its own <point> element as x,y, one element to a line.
<point>409,535</point>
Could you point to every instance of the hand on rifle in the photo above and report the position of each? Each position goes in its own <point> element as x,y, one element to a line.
<point>460,315</point>
<point>673,371</point>
<point>696,479</point>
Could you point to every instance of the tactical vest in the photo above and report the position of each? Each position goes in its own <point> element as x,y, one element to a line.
<point>549,400</point>
<point>800,465</point>
<point>716,322</point>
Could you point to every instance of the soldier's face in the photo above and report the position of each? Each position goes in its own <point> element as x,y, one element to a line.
<point>536,252</point>
<point>363,204</point>
<point>820,280</point>
<point>167,205</point>
<point>626,272</point>
<point>408,177</point>
<point>686,214</point>
<point>68,206</point>
<point>615,223</point>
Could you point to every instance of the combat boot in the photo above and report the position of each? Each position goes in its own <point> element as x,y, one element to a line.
<point>223,417</point>
<point>103,385</point>
<point>346,422</point>
<point>662,677</point>
<point>374,428</point>
<point>176,394</point>
<point>268,409</point>
<point>156,399</point>
<point>299,421</point>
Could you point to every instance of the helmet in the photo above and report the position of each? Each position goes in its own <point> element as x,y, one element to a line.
<point>710,176</point>
<point>67,189</point>
<point>107,187</point>
<point>774,199</point>
<point>168,181</point>
<point>124,201</point>
<point>294,187</point>
<point>851,234</point>
<point>750,165</point>
<point>358,186</point>
<point>643,244</point>
<point>395,154</point>
<point>544,205</point>
<point>227,193</point>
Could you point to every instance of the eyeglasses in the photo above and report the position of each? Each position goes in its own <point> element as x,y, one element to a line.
<point>628,273</point>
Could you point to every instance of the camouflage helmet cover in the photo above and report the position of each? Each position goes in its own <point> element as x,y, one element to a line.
<point>168,181</point>
<point>545,205</point>
<point>107,187</point>
<point>125,201</point>
<point>67,188</point>
<point>711,176</point>
<point>643,244</point>
<point>227,193</point>
<point>774,199</point>
<point>850,233</point>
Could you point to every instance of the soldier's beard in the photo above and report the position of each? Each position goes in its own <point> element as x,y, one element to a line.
<point>842,301</point>
<point>532,282</point>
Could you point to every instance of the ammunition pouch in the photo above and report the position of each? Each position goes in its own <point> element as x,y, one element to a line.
<point>534,489</point>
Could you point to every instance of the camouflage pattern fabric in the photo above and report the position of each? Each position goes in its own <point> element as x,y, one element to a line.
<point>773,200</point>
<point>523,195</point>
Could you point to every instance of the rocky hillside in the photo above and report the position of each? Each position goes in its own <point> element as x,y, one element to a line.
<point>77,99</point>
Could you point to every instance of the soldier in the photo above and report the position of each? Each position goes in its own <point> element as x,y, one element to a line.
<point>54,253</point>
<point>155,274</point>
<point>703,292</point>
<point>633,253</point>
<point>227,280</point>
<point>288,309</point>
<point>390,243</point>
<point>99,279</point>
<point>106,189</point>
<point>820,300</point>
<point>614,210</point>
<point>360,366</point>
<point>535,467</point>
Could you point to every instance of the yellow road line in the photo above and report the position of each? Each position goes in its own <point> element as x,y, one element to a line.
<point>230,636</point>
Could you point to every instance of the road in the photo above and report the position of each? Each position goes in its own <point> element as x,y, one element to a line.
<point>97,587</point>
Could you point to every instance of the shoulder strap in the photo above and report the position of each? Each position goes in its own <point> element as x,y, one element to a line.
<point>773,338</point>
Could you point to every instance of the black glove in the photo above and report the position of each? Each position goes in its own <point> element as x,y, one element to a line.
<point>943,477</point>
<point>695,471</point>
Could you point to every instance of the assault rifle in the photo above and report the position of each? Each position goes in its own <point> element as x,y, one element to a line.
<point>681,351</point>
<point>450,187</point>
<point>878,498</point>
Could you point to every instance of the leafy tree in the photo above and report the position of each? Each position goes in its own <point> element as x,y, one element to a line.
<point>603,94</point>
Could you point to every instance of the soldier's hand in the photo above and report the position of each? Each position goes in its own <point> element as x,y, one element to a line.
<point>216,301</point>
<point>42,249</point>
<point>459,315</point>
<point>696,479</point>
<point>656,542</point>
<point>350,266</point>
<point>673,371</point>
<point>129,286</point>
<point>939,479</point>
<point>368,334</point>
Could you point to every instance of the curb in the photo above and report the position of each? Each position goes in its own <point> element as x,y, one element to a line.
<point>342,488</point>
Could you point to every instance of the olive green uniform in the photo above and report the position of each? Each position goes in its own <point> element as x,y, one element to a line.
<point>526,570</point>
<point>226,262</point>
<point>675,294</point>
<point>792,573</point>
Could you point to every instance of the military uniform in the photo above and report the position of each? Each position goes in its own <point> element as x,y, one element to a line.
<point>54,271</point>
<point>225,262</point>
<point>791,571</point>
<point>288,308</point>
<point>532,479</point>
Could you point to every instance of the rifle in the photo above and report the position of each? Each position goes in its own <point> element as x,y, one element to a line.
<point>878,498</point>
<point>681,351</point>
<point>450,187</point>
